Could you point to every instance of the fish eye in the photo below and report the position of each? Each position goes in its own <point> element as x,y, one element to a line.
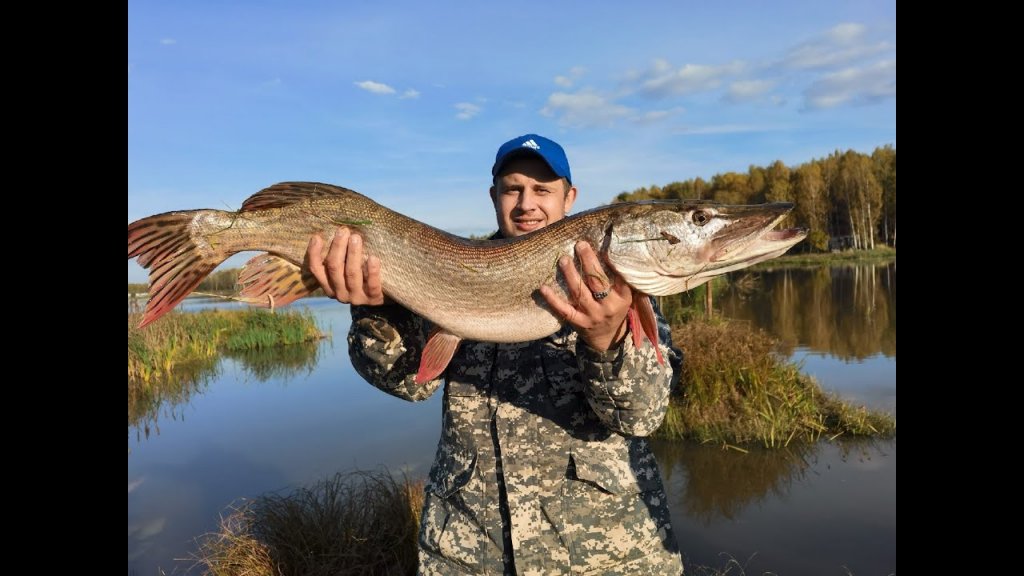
<point>700,217</point>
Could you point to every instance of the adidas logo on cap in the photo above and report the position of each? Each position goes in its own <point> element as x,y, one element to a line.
<point>548,150</point>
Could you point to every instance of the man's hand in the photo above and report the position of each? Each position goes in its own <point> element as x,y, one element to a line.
<point>600,321</point>
<point>342,273</point>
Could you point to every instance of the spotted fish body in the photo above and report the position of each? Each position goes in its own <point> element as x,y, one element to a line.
<point>473,289</point>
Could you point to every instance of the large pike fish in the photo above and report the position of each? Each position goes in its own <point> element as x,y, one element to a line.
<point>470,289</point>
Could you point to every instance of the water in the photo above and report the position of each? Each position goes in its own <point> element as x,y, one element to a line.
<point>821,509</point>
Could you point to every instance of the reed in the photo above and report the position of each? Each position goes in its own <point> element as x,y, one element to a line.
<point>181,338</point>
<point>353,523</point>
<point>736,388</point>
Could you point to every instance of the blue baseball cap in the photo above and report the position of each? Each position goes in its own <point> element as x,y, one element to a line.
<point>548,150</point>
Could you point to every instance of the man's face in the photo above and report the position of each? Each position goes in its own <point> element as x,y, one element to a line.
<point>528,196</point>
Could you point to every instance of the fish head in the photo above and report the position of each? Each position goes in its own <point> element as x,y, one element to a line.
<point>668,247</point>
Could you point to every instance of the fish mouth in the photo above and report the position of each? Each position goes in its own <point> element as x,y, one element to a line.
<point>785,234</point>
<point>751,237</point>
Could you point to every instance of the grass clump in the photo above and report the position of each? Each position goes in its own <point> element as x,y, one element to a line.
<point>735,388</point>
<point>353,523</point>
<point>258,329</point>
<point>155,351</point>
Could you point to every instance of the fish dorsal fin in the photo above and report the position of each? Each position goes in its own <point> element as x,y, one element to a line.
<point>272,281</point>
<point>287,193</point>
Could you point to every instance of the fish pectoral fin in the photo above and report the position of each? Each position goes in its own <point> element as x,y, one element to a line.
<point>635,328</point>
<point>643,322</point>
<point>437,353</point>
<point>271,281</point>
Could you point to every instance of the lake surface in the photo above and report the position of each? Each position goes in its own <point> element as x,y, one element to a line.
<point>255,424</point>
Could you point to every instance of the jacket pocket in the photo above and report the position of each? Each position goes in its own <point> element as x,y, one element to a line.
<point>451,472</point>
<point>448,517</point>
<point>612,473</point>
<point>608,521</point>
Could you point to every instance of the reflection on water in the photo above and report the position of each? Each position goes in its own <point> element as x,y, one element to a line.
<point>165,397</point>
<point>719,483</point>
<point>826,508</point>
<point>281,362</point>
<point>845,311</point>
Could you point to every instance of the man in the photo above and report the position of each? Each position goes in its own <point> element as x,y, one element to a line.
<point>542,467</point>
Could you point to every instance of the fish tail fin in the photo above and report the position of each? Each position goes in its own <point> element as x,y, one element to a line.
<point>165,245</point>
<point>270,281</point>
<point>643,322</point>
<point>437,353</point>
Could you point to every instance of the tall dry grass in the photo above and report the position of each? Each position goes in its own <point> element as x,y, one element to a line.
<point>173,358</point>
<point>179,338</point>
<point>735,388</point>
<point>358,523</point>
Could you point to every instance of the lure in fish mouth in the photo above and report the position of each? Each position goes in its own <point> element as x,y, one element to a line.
<point>685,244</point>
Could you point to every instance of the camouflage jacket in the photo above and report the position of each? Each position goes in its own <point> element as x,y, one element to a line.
<point>542,467</point>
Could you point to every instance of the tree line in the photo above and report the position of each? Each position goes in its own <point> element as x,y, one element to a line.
<point>847,200</point>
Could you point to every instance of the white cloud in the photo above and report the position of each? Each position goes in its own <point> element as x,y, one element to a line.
<point>654,116</point>
<point>168,41</point>
<point>663,79</point>
<point>466,110</point>
<point>748,90</point>
<point>846,32</point>
<point>584,108</point>
<point>567,81</point>
<point>827,69</point>
<point>375,87</point>
<point>864,85</point>
<point>839,46</point>
<point>384,89</point>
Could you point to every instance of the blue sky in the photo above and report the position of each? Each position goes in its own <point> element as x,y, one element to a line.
<point>407,102</point>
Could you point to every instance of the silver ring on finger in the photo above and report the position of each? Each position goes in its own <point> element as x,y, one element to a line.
<point>600,295</point>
